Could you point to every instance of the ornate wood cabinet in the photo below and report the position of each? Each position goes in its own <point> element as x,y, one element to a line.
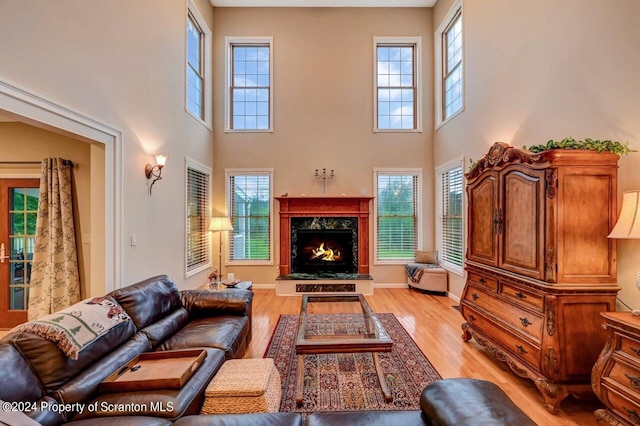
<point>540,268</point>
<point>616,375</point>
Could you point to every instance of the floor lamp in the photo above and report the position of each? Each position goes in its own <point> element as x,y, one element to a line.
<point>220,225</point>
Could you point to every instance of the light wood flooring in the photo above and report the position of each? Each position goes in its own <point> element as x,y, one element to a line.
<point>435,326</point>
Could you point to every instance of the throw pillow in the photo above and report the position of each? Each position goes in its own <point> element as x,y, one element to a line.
<point>426,256</point>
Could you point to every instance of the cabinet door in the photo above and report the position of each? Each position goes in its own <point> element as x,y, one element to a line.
<point>483,220</point>
<point>522,214</point>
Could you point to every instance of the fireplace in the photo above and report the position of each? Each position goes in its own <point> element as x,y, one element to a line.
<point>324,245</point>
<point>341,223</point>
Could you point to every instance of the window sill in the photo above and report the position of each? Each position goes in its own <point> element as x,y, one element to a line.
<point>397,130</point>
<point>248,131</point>
<point>442,123</point>
<point>200,120</point>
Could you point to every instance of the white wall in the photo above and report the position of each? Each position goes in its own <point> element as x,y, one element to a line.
<point>547,69</point>
<point>123,63</point>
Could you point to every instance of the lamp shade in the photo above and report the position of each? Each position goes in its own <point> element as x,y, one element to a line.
<point>219,224</point>
<point>628,225</point>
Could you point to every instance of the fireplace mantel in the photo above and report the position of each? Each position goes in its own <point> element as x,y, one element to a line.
<point>324,207</point>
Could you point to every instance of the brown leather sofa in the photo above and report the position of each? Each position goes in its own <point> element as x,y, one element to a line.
<point>50,388</point>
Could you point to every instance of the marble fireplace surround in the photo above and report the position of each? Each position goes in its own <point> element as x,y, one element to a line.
<point>324,207</point>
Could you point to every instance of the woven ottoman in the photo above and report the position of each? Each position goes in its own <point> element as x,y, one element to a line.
<point>244,386</point>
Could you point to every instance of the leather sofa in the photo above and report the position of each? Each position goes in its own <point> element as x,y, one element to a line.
<point>51,388</point>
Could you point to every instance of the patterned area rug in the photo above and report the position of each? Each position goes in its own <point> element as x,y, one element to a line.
<point>348,382</point>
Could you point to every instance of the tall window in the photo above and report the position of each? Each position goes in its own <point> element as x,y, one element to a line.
<point>249,84</point>
<point>450,218</point>
<point>397,214</point>
<point>450,84</point>
<point>198,212</point>
<point>249,195</point>
<point>397,103</point>
<point>198,66</point>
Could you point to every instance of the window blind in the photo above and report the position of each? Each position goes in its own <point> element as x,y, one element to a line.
<point>451,216</point>
<point>397,216</point>
<point>198,254</point>
<point>250,205</point>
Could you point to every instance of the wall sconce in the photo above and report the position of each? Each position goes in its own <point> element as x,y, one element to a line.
<point>324,176</point>
<point>155,172</point>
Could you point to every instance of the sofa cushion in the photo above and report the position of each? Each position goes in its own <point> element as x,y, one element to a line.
<point>204,303</point>
<point>122,421</point>
<point>368,418</point>
<point>166,327</point>
<point>53,367</point>
<point>225,332</point>
<point>253,419</point>
<point>462,401</point>
<point>85,385</point>
<point>166,403</point>
<point>17,381</point>
<point>149,300</point>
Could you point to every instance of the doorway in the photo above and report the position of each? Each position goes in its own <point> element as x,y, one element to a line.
<point>18,210</point>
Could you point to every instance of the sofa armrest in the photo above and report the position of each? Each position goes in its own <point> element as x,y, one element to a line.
<point>204,303</point>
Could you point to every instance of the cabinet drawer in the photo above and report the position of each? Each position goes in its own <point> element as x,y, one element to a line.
<point>527,322</point>
<point>482,280</point>
<point>621,405</point>
<point>523,296</point>
<point>628,376</point>
<point>629,346</point>
<point>518,347</point>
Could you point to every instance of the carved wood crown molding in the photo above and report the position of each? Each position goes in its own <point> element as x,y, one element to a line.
<point>501,153</point>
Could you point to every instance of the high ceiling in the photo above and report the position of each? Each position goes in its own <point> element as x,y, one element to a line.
<point>323,3</point>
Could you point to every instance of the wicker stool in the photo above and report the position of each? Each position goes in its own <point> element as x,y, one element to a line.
<point>244,386</point>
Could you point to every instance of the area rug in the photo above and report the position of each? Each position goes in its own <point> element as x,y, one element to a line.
<point>348,382</point>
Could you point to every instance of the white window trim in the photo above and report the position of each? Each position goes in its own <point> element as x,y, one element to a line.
<point>190,163</point>
<point>254,171</point>
<point>228,76</point>
<point>440,170</point>
<point>439,64</point>
<point>395,171</point>
<point>418,78</point>
<point>206,84</point>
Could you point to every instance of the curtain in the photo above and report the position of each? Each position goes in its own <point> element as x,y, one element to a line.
<point>55,282</point>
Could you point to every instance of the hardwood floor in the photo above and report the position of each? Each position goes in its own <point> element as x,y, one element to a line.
<point>435,326</point>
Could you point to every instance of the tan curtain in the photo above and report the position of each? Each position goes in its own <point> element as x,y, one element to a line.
<point>55,282</point>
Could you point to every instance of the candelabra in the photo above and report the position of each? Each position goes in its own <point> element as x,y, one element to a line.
<point>324,176</point>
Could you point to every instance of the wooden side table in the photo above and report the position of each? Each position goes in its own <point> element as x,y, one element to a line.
<point>616,375</point>
<point>242,285</point>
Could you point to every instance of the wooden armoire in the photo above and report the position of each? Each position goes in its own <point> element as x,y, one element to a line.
<point>540,267</point>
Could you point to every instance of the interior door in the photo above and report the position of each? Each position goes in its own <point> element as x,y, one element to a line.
<point>18,210</point>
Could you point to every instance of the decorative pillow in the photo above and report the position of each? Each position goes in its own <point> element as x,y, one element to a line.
<point>426,256</point>
<point>74,328</point>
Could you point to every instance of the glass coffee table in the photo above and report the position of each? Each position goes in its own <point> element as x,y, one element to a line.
<point>373,338</point>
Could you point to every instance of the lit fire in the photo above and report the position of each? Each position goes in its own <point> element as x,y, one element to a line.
<point>325,254</point>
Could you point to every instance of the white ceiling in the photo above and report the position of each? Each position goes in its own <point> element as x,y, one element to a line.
<point>323,3</point>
